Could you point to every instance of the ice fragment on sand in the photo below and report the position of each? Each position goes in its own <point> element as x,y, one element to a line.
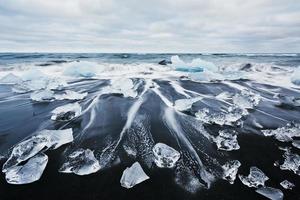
<point>123,86</point>
<point>197,65</point>
<point>71,95</point>
<point>43,96</point>
<point>295,78</point>
<point>66,112</point>
<point>296,143</point>
<point>81,69</point>
<point>230,170</point>
<point>270,193</point>
<point>133,175</point>
<point>165,156</point>
<point>57,138</point>
<point>287,185</point>
<point>30,172</point>
<point>81,162</point>
<point>10,79</point>
<point>284,134</point>
<point>227,140</point>
<point>255,178</point>
<point>185,104</point>
<point>291,162</point>
<point>246,99</point>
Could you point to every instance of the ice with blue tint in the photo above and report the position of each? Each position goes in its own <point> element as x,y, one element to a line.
<point>197,65</point>
<point>10,79</point>
<point>83,69</point>
<point>30,172</point>
<point>43,96</point>
<point>133,175</point>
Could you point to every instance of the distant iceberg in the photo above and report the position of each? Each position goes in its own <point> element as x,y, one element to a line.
<point>197,65</point>
<point>81,69</point>
<point>10,79</point>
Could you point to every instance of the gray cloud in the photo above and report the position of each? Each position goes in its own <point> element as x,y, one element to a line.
<point>150,26</point>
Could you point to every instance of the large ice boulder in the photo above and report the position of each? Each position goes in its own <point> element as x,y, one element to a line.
<point>81,69</point>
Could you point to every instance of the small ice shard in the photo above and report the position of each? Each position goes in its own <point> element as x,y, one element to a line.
<point>81,69</point>
<point>123,86</point>
<point>230,170</point>
<point>291,162</point>
<point>255,178</point>
<point>66,112</point>
<point>43,96</point>
<point>227,140</point>
<point>165,156</point>
<point>57,138</point>
<point>25,150</point>
<point>81,162</point>
<point>30,172</point>
<point>284,134</point>
<point>71,95</point>
<point>270,193</point>
<point>185,104</point>
<point>10,79</point>
<point>133,175</point>
<point>287,185</point>
<point>296,143</point>
<point>246,99</point>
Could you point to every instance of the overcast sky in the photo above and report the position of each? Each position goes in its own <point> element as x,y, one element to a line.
<point>150,25</point>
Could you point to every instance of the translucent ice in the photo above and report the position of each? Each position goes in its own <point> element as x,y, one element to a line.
<point>295,78</point>
<point>230,170</point>
<point>270,193</point>
<point>165,156</point>
<point>185,104</point>
<point>81,69</point>
<point>71,95</point>
<point>255,178</point>
<point>10,79</point>
<point>81,162</point>
<point>133,176</point>
<point>66,112</point>
<point>284,134</point>
<point>296,143</point>
<point>291,162</point>
<point>227,140</point>
<point>57,138</point>
<point>246,99</point>
<point>43,96</point>
<point>197,65</point>
<point>123,86</point>
<point>30,172</point>
<point>287,185</point>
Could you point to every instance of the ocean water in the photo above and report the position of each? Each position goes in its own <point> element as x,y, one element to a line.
<point>211,108</point>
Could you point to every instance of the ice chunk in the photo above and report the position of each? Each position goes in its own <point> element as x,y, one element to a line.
<point>30,172</point>
<point>287,185</point>
<point>71,95</point>
<point>229,117</point>
<point>56,84</point>
<point>185,104</point>
<point>230,170</point>
<point>57,138</point>
<point>33,74</point>
<point>133,175</point>
<point>43,96</point>
<point>295,78</point>
<point>197,65</point>
<point>206,76</point>
<point>165,156</point>
<point>123,86</point>
<point>246,99</point>
<point>255,178</point>
<point>227,140</point>
<point>270,193</point>
<point>291,162</point>
<point>81,162</point>
<point>81,69</point>
<point>10,79</point>
<point>66,112</point>
<point>296,143</point>
<point>284,134</point>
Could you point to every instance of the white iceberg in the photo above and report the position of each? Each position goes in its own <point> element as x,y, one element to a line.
<point>255,178</point>
<point>10,79</point>
<point>71,95</point>
<point>270,193</point>
<point>66,112</point>
<point>185,104</point>
<point>230,170</point>
<point>43,96</point>
<point>30,172</point>
<point>165,156</point>
<point>81,162</point>
<point>133,175</point>
<point>81,69</point>
<point>227,140</point>
<point>287,185</point>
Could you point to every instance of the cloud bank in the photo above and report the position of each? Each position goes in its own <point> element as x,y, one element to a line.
<point>150,26</point>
